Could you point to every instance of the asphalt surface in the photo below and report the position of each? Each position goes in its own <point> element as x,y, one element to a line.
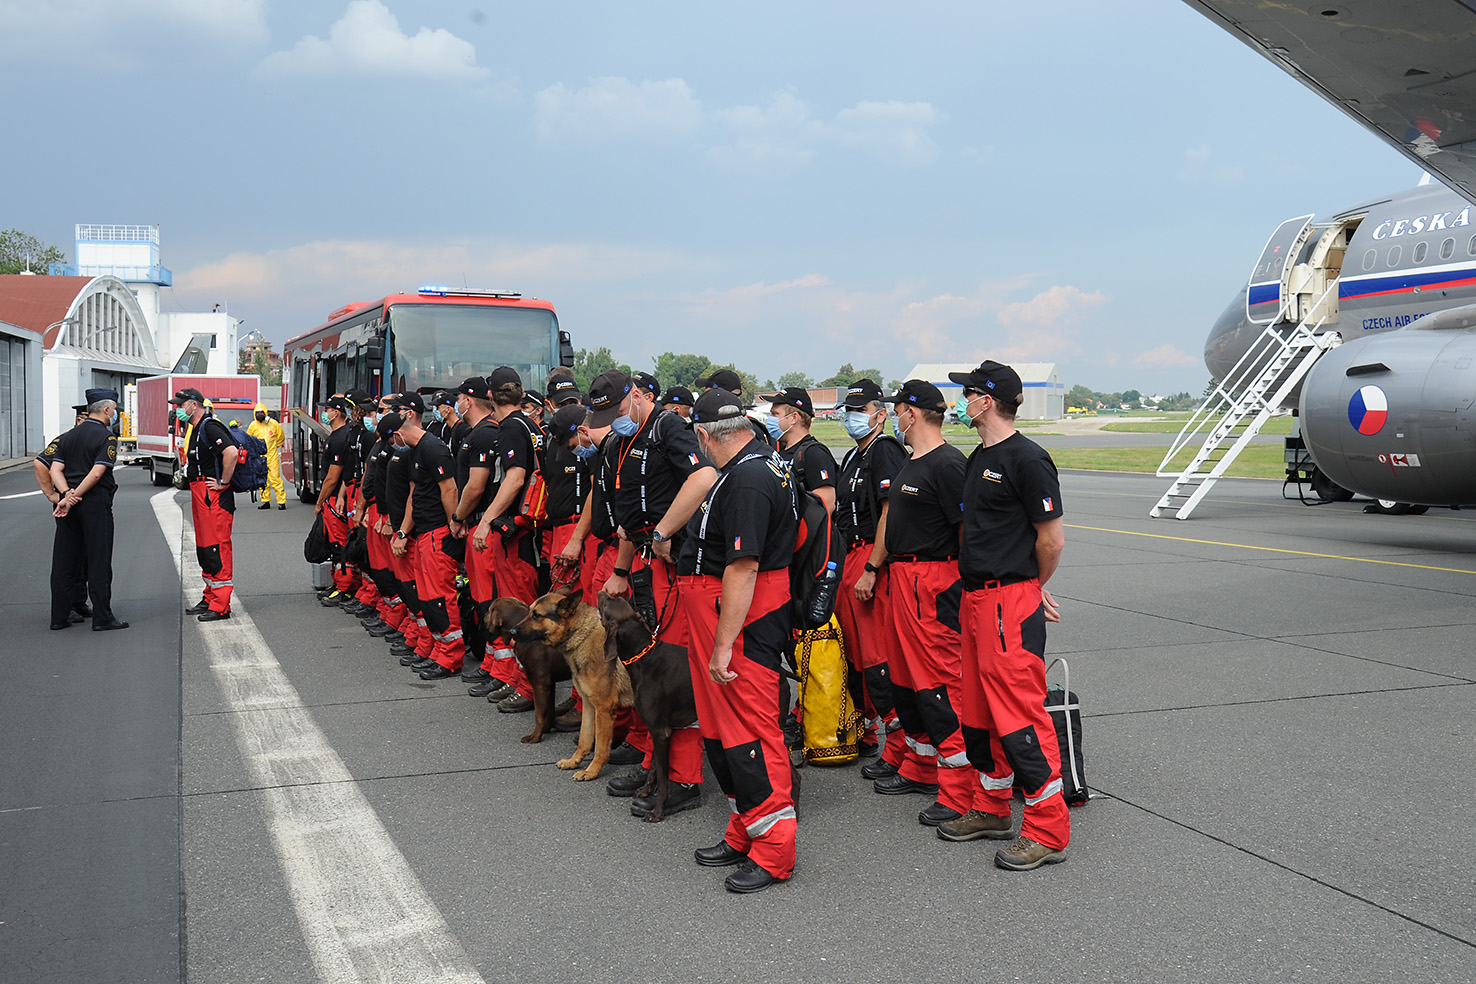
<point>1278,733</point>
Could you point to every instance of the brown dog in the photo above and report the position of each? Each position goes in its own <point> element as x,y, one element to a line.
<point>542,663</point>
<point>562,620</point>
<point>660,679</point>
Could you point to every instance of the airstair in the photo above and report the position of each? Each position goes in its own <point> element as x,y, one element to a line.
<point>1269,372</point>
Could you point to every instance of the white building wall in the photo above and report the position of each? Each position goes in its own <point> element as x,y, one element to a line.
<point>176,329</point>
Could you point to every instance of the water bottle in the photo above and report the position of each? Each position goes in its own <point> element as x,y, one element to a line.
<point>823,602</point>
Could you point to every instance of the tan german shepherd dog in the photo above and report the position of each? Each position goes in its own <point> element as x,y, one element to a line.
<point>562,620</point>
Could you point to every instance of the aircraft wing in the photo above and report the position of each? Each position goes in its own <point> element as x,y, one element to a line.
<point>1405,69</point>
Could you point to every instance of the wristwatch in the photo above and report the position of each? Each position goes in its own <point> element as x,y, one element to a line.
<point>872,568</point>
<point>620,571</point>
<point>658,537</point>
<point>401,535</point>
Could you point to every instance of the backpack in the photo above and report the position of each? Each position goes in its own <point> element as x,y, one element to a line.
<point>1064,708</point>
<point>819,557</point>
<point>316,548</point>
<point>251,462</point>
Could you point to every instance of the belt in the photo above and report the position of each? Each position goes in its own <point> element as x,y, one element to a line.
<point>991,585</point>
<point>857,541</point>
<point>918,559</point>
<point>556,523</point>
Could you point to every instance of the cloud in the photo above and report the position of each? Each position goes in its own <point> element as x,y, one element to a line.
<point>367,41</point>
<point>614,108</point>
<point>1165,357</point>
<point>892,130</point>
<point>29,22</point>
<point>1050,307</point>
<point>1199,168</point>
<point>786,132</point>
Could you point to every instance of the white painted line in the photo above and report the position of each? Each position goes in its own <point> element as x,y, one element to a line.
<point>21,495</point>
<point>364,913</point>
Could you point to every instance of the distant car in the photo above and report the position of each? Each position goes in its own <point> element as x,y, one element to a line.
<point>829,415</point>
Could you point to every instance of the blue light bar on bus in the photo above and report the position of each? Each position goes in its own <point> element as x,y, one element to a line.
<point>441,290</point>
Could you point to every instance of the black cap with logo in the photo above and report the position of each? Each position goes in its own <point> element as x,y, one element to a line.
<point>994,379</point>
<point>679,395</point>
<point>723,379</point>
<point>187,394</point>
<point>919,393</point>
<point>716,404</point>
<point>562,391</point>
<point>794,396</point>
<point>862,392</point>
<point>503,376</point>
<point>606,394</point>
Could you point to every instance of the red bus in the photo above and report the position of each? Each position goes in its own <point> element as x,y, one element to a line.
<point>426,341</point>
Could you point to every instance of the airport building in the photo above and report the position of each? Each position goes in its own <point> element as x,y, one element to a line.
<point>95,324</point>
<point>1045,394</point>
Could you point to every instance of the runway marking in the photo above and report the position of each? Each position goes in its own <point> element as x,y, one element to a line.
<point>1283,550</point>
<point>360,906</point>
<point>21,495</point>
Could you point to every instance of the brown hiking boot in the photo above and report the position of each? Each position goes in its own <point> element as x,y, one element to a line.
<point>974,824</point>
<point>564,706</point>
<point>1025,854</point>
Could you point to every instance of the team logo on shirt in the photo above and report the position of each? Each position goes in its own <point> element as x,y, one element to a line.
<point>1049,503</point>
<point>737,543</point>
<point>693,459</point>
<point>886,483</point>
<point>993,476</point>
<point>909,489</point>
<point>824,473</point>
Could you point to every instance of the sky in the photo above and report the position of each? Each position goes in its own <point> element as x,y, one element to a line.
<point>781,186</point>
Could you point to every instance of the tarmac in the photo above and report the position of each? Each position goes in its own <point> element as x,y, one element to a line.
<point>1276,720</point>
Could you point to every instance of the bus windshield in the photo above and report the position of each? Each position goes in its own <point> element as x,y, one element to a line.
<point>436,346</point>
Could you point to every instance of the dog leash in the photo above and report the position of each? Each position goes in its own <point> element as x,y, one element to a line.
<point>649,646</point>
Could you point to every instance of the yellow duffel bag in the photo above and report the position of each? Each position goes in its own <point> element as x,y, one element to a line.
<point>829,719</point>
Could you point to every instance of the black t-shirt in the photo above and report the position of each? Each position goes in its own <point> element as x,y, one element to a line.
<point>431,465</point>
<point>1007,489</point>
<point>373,484</point>
<point>478,449</point>
<point>457,435</point>
<point>602,484</point>
<point>924,515</point>
<point>340,451</point>
<point>567,479</point>
<point>814,465</point>
<point>397,483</point>
<point>208,441</point>
<point>79,449</point>
<point>749,512</point>
<point>519,444</point>
<point>648,469</point>
<point>866,479</point>
<point>362,441</point>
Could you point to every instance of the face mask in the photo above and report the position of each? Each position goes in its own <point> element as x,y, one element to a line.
<point>261,418</point>
<point>625,426</point>
<point>961,410</point>
<point>437,414</point>
<point>182,415</point>
<point>370,421</point>
<point>776,431</point>
<point>897,429</point>
<point>585,450</point>
<point>326,419</point>
<point>858,424</point>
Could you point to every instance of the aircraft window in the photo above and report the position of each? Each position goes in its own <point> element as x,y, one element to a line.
<point>1395,252</point>
<point>1420,251</point>
<point>1472,248</point>
<point>1447,249</point>
<point>1370,258</point>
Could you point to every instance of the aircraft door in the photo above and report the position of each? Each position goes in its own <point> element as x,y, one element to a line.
<point>1268,291</point>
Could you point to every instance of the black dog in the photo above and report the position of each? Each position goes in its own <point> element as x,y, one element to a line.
<point>661,679</point>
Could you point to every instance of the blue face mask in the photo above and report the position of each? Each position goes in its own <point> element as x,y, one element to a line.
<point>858,424</point>
<point>370,420</point>
<point>437,414</point>
<point>776,431</point>
<point>625,426</point>
<point>961,410</point>
<point>897,429</point>
<point>585,450</point>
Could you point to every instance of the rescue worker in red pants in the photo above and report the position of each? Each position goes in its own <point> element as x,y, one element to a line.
<point>866,476</point>
<point>735,589</point>
<point>1010,546</point>
<point>365,601</point>
<point>389,610</point>
<point>339,465</point>
<point>659,479</point>
<point>513,548</point>
<point>416,647</point>
<point>925,593</point>
<point>210,458</point>
<point>476,466</point>
<point>432,501</point>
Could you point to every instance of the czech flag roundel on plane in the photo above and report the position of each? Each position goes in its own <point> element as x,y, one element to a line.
<point>1368,410</point>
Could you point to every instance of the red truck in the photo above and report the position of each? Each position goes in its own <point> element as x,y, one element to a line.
<point>161,436</point>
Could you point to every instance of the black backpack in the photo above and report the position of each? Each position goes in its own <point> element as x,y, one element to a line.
<point>315,549</point>
<point>251,462</point>
<point>819,557</point>
<point>1064,707</point>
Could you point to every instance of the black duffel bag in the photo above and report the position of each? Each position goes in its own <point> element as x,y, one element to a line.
<point>1064,708</point>
<point>315,548</point>
<point>356,548</point>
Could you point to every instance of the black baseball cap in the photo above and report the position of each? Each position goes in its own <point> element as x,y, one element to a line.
<point>606,394</point>
<point>563,390</point>
<point>339,403</point>
<point>409,401</point>
<point>716,404</point>
<point>358,398</point>
<point>566,421</point>
<point>534,397</point>
<point>502,376</point>
<point>388,424</point>
<point>919,393</point>
<point>722,378</point>
<point>862,392</point>
<point>473,386</point>
<point>187,394</point>
<point>994,379</point>
<point>794,396</point>
<point>648,382</point>
<point>679,395</point>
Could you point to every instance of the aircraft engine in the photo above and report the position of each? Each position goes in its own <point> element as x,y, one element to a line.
<point>1390,415</point>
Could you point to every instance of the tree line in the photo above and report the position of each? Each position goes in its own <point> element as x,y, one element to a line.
<point>685,368</point>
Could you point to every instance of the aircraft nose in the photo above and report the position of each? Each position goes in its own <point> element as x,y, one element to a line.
<point>1229,338</point>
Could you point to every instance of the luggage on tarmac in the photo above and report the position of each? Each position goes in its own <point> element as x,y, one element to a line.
<point>1065,709</point>
<point>322,575</point>
<point>830,722</point>
<point>315,549</point>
